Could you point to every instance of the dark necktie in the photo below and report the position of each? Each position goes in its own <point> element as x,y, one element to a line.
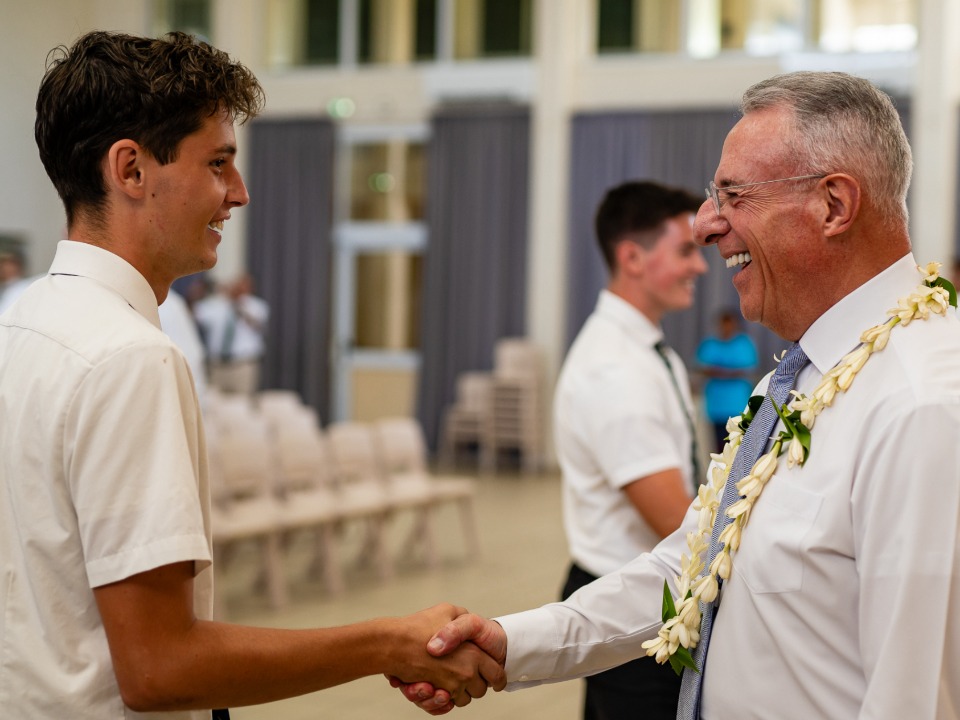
<point>661,348</point>
<point>751,447</point>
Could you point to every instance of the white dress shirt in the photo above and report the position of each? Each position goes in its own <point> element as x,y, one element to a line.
<point>103,475</point>
<point>845,592</point>
<point>617,418</point>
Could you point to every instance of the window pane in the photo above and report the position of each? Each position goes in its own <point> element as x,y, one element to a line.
<point>492,28</point>
<point>426,30</point>
<point>867,25</point>
<point>189,16</point>
<point>388,301</point>
<point>396,31</point>
<point>638,26</point>
<point>387,181</point>
<point>615,25</point>
<point>759,27</point>
<point>322,45</point>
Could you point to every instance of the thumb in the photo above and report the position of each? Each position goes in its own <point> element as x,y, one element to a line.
<point>454,634</point>
<point>486,634</point>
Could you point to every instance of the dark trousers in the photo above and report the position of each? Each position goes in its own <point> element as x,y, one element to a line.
<point>641,689</point>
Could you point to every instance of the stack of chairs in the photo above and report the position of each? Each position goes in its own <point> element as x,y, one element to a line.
<point>466,420</point>
<point>501,410</point>
<point>275,474</point>
<point>516,406</point>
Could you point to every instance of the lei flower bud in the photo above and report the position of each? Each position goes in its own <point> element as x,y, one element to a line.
<point>765,466</point>
<point>707,588</point>
<point>795,453</point>
<point>931,271</point>
<point>721,565</point>
<point>825,391</point>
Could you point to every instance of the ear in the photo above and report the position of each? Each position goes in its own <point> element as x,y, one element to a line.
<point>631,257</point>
<point>843,203</point>
<point>124,170</point>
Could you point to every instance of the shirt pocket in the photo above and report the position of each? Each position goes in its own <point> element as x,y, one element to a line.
<point>771,556</point>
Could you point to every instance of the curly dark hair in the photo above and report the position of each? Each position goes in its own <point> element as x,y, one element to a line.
<point>638,207</point>
<point>112,86</point>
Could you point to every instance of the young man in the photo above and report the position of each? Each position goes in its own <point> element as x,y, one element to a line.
<point>623,418</point>
<point>104,524</point>
<point>843,598</point>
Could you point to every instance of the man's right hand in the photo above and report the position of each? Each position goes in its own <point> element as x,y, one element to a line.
<point>488,635</point>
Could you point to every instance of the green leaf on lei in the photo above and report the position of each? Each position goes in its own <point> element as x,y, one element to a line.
<point>681,659</point>
<point>753,405</point>
<point>669,609</point>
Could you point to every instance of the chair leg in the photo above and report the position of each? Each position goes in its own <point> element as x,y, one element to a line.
<point>325,555</point>
<point>273,560</point>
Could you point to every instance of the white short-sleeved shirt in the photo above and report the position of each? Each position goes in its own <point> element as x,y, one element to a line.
<point>617,418</point>
<point>844,600</point>
<point>102,476</point>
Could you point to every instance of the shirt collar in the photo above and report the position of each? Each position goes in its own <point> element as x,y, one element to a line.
<point>838,330</point>
<point>636,324</point>
<point>110,270</point>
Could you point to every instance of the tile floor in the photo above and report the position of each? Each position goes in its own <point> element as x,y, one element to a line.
<point>522,565</point>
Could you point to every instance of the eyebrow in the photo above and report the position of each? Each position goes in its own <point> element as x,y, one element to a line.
<point>227,149</point>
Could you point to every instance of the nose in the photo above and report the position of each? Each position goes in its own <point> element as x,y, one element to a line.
<point>237,195</point>
<point>708,225</point>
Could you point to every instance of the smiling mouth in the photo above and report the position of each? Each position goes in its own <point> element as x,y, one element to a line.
<point>739,260</point>
<point>216,226</point>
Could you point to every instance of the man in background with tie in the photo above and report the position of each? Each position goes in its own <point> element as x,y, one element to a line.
<point>625,439</point>
<point>840,598</point>
<point>234,323</point>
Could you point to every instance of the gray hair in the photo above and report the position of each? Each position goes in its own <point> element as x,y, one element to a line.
<point>843,123</point>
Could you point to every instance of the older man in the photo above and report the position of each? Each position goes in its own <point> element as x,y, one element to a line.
<point>841,595</point>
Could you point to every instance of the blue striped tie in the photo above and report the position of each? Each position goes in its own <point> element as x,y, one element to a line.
<point>753,444</point>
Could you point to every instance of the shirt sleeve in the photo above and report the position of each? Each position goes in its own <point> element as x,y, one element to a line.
<point>905,514</point>
<point>602,625</point>
<point>633,431</point>
<point>132,449</point>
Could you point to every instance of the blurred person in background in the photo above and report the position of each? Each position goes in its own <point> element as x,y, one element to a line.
<point>234,326</point>
<point>728,360</point>
<point>623,419</point>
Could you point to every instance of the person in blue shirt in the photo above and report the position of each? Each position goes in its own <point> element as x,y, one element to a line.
<point>728,361</point>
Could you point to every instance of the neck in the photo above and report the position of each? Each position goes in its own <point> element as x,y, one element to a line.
<point>631,293</point>
<point>104,236</point>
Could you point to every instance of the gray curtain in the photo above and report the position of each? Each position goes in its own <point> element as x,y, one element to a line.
<point>475,265</point>
<point>288,250</point>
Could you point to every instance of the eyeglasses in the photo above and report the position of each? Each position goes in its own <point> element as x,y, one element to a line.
<point>713,192</point>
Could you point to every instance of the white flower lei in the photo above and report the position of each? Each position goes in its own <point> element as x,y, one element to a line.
<point>680,631</point>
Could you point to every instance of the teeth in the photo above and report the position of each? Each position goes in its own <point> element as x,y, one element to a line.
<point>217,226</point>
<point>738,259</point>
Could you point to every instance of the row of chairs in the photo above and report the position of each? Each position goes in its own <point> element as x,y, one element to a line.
<point>275,472</point>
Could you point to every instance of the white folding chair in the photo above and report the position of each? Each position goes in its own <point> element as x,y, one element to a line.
<point>244,508</point>
<point>403,455</point>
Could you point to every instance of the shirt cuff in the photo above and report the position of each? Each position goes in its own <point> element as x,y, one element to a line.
<point>531,647</point>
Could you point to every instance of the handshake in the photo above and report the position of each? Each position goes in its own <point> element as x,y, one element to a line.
<point>439,669</point>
